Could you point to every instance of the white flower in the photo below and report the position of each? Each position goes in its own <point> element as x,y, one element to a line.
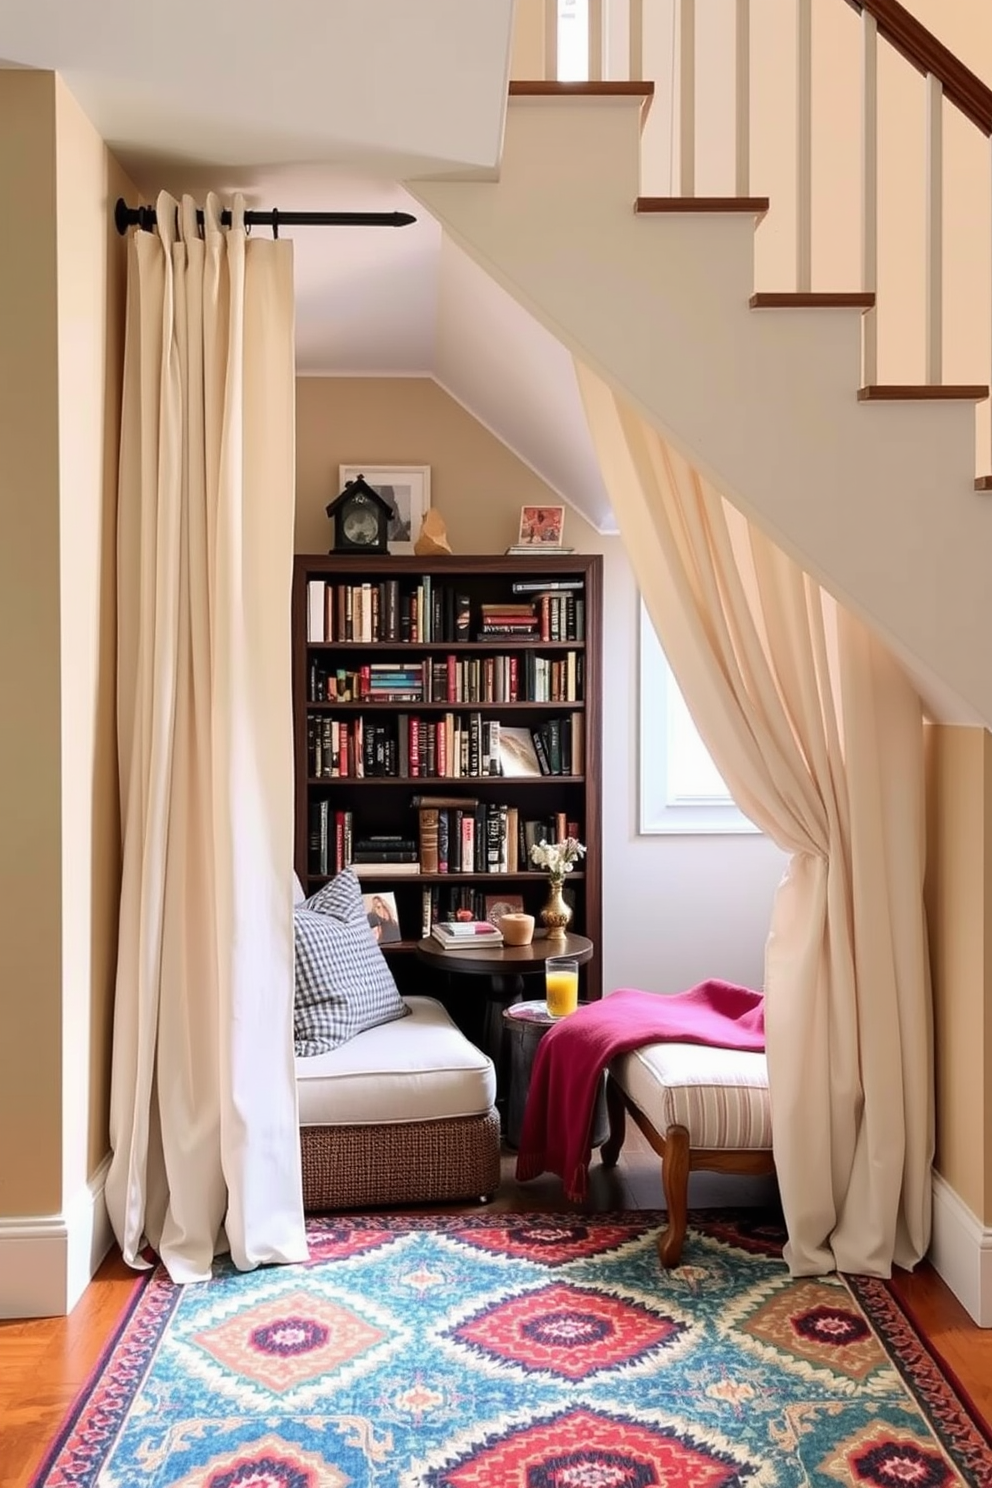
<point>558,858</point>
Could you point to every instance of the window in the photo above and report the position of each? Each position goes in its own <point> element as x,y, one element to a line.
<point>681,788</point>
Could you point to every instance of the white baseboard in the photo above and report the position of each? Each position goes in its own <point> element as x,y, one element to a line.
<point>961,1252</point>
<point>47,1262</point>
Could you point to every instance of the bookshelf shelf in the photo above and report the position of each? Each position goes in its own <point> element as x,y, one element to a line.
<point>365,705</point>
<point>434,785</point>
<point>495,642</point>
<point>341,595</point>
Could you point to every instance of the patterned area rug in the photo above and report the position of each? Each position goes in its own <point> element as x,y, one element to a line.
<point>519,1351</point>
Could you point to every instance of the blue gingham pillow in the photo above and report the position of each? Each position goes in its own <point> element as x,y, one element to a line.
<point>343,984</point>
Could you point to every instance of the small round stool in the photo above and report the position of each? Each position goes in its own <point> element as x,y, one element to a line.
<point>527,1023</point>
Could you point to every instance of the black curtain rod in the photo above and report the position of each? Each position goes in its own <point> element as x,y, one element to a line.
<point>144,217</point>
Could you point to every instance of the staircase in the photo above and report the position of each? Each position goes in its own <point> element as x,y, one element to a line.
<point>870,486</point>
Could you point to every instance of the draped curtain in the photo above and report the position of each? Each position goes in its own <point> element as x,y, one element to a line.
<point>819,736</point>
<point>204,1133</point>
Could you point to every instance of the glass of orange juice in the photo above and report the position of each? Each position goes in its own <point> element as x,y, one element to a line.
<point>561,985</point>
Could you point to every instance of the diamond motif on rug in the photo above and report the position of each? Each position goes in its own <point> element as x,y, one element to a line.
<point>584,1449</point>
<point>267,1463</point>
<point>289,1340</point>
<point>567,1331</point>
<point>335,1242</point>
<point>880,1457</point>
<point>813,1322</point>
<point>549,1241</point>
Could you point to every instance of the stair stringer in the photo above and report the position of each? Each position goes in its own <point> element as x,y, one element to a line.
<point>876,501</point>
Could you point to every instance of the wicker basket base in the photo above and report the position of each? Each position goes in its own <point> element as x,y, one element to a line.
<point>415,1162</point>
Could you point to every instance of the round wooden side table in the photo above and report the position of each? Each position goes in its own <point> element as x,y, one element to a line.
<point>507,970</point>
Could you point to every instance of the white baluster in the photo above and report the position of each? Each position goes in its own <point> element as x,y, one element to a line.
<point>935,230</point>
<point>869,190</point>
<point>635,24</point>
<point>742,99</point>
<point>595,41</point>
<point>804,145</point>
<point>551,40</point>
<point>687,98</point>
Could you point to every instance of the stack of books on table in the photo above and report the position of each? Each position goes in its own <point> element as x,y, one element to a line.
<point>466,935</point>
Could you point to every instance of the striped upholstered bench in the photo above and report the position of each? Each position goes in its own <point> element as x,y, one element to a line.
<point>699,1107</point>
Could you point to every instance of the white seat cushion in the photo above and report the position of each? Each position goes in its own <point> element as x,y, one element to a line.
<point>420,1068</point>
<point>719,1095</point>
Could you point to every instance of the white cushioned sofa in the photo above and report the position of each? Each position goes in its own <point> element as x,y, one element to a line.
<point>401,1113</point>
<point>396,1106</point>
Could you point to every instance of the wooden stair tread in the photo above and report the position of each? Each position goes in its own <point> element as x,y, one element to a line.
<point>757,205</point>
<point>813,300</point>
<point>972,392</point>
<point>983,483</point>
<point>548,88</point>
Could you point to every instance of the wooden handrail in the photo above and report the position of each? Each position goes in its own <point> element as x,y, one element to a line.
<point>921,48</point>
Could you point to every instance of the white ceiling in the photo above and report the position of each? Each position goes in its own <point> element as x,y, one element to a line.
<point>329,105</point>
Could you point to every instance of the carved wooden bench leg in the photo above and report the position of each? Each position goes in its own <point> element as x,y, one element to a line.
<point>675,1177</point>
<point>616,1109</point>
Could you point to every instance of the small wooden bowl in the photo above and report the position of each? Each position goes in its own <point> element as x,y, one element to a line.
<point>518,929</point>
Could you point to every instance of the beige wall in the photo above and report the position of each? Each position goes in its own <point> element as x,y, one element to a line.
<point>477,484</point>
<point>61,297</point>
<point>959,908</point>
<point>658,893</point>
<point>30,656</point>
<point>91,275</point>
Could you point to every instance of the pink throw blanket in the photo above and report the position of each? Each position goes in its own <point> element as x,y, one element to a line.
<point>572,1055</point>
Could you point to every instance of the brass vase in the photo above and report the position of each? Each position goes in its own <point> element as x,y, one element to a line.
<point>556,914</point>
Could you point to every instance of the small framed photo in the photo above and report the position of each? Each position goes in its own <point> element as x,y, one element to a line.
<point>383,918</point>
<point>541,526</point>
<point>407,488</point>
<point>497,905</point>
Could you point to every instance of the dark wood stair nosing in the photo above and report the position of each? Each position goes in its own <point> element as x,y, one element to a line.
<point>813,300</point>
<point>983,483</point>
<point>969,392</point>
<point>757,205</point>
<point>549,88</point>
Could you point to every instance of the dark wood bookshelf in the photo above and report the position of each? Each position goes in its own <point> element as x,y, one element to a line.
<point>484,580</point>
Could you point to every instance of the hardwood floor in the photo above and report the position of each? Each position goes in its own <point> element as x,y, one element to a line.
<point>44,1363</point>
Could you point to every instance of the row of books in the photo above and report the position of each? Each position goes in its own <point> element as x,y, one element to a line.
<point>405,747</point>
<point>483,836</point>
<point>547,617</point>
<point>423,609</point>
<point>470,837</point>
<point>453,747</point>
<point>530,678</point>
<point>387,610</point>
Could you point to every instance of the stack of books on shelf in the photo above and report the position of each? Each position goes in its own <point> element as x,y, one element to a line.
<point>466,935</point>
<point>508,617</point>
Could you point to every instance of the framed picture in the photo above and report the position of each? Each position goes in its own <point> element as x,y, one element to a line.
<point>385,922</point>
<point>540,526</point>
<point>517,755</point>
<point>497,905</point>
<point>407,488</point>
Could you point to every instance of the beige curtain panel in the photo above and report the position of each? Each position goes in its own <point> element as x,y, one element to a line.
<point>203,1104</point>
<point>819,737</point>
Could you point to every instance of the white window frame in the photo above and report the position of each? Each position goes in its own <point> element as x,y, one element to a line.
<point>663,811</point>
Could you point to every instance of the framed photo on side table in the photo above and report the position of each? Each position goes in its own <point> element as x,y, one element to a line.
<point>407,488</point>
